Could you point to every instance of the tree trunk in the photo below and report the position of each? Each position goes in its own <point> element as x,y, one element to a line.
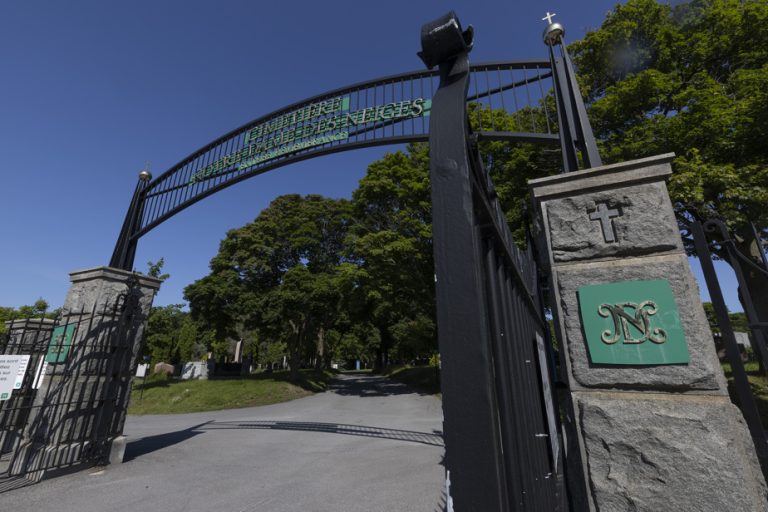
<point>294,348</point>
<point>382,352</point>
<point>319,360</point>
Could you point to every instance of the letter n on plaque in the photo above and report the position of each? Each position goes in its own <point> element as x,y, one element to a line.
<point>632,323</point>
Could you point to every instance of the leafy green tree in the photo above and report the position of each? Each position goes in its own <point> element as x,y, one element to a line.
<point>692,79</point>
<point>739,321</point>
<point>279,275</point>
<point>172,336</point>
<point>512,165</point>
<point>37,310</point>
<point>391,241</point>
<point>271,353</point>
<point>155,269</point>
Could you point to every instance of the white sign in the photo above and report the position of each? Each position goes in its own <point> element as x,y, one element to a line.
<point>21,371</point>
<point>9,367</point>
<point>141,370</point>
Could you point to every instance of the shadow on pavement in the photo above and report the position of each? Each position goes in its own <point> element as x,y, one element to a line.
<point>351,384</point>
<point>150,444</point>
<point>435,438</point>
<point>368,386</point>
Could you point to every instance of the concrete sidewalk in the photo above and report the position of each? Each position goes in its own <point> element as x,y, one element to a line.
<point>367,445</point>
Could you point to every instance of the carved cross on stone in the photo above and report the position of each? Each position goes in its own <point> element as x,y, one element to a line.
<point>604,215</point>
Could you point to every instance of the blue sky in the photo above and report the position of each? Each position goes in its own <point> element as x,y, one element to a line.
<point>92,90</point>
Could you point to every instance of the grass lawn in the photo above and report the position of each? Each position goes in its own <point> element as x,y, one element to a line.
<point>170,396</point>
<point>425,379</point>
<point>757,382</point>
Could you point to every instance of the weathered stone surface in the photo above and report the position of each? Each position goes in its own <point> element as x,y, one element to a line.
<point>702,373</point>
<point>642,170</point>
<point>94,301</point>
<point>669,454</point>
<point>646,223</point>
<point>164,368</point>
<point>97,289</point>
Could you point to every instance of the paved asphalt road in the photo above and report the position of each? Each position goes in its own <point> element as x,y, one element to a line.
<point>367,445</point>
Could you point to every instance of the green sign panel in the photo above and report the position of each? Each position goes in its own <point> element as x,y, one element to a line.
<point>61,341</point>
<point>632,323</point>
<point>313,125</point>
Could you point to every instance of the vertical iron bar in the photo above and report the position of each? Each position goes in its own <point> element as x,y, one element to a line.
<point>585,137</point>
<point>469,405</point>
<point>743,391</point>
<point>564,115</point>
<point>543,100</point>
<point>744,296</point>
<point>503,106</point>
<point>514,101</point>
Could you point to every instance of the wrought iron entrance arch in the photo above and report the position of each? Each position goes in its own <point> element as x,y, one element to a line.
<point>389,110</point>
<point>501,430</point>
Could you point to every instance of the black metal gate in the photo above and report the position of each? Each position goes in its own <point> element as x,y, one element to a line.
<point>501,426</point>
<point>72,390</point>
<point>714,234</point>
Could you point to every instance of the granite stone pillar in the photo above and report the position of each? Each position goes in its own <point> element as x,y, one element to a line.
<point>79,409</point>
<point>654,427</point>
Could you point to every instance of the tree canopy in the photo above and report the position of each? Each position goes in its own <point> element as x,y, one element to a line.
<point>692,79</point>
<point>327,278</point>
<point>314,278</point>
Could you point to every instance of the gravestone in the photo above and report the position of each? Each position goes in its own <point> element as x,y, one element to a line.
<point>195,370</point>
<point>165,368</point>
<point>655,428</point>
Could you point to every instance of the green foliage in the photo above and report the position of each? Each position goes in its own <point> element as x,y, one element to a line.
<point>322,279</point>
<point>692,79</point>
<point>391,241</point>
<point>281,276</point>
<point>511,166</point>
<point>319,278</point>
<point>739,321</point>
<point>173,337</point>
<point>271,353</point>
<point>37,310</point>
<point>155,269</point>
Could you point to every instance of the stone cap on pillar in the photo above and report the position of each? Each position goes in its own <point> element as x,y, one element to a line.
<point>115,274</point>
<point>653,168</point>
<point>30,323</point>
<point>613,211</point>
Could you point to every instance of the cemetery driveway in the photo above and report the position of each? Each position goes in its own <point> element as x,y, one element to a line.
<point>368,444</point>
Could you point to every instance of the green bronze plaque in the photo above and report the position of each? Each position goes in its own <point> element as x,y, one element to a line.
<point>61,341</point>
<point>632,323</point>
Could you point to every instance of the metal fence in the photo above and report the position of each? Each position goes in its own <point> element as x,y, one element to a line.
<point>501,422</point>
<point>708,237</point>
<point>71,391</point>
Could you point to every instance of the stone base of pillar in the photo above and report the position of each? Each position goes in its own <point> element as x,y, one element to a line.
<point>653,424</point>
<point>117,450</point>
<point>79,409</point>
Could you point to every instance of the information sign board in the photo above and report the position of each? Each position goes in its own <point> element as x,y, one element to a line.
<point>9,367</point>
